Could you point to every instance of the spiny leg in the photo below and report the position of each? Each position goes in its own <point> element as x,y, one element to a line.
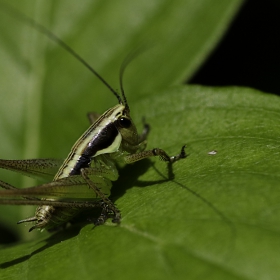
<point>7,186</point>
<point>106,213</point>
<point>108,207</point>
<point>156,152</point>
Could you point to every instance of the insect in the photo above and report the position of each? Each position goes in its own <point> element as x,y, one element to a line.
<point>84,179</point>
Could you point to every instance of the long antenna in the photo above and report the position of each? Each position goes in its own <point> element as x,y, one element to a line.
<point>123,66</point>
<point>131,56</point>
<point>54,38</point>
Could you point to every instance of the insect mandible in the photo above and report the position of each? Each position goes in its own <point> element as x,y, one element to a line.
<point>84,178</point>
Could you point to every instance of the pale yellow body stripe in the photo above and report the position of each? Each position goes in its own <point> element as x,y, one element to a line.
<point>82,143</point>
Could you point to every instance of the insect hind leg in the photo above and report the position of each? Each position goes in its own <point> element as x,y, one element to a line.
<point>7,186</point>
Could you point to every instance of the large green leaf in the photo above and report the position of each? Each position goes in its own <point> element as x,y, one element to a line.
<point>182,227</point>
<point>217,219</point>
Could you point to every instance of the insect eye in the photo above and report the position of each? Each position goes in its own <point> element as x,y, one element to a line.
<point>124,122</point>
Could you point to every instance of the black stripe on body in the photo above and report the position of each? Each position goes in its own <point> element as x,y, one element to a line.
<point>83,162</point>
<point>102,140</point>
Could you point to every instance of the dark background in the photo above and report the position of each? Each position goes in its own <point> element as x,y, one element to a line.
<point>248,55</point>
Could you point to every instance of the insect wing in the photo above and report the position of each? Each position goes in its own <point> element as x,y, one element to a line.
<point>35,168</point>
<point>73,187</point>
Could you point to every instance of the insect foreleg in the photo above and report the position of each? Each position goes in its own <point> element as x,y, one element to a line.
<point>145,131</point>
<point>155,152</point>
<point>142,140</point>
<point>108,206</point>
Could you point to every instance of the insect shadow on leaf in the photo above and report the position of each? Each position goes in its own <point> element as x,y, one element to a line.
<point>210,205</point>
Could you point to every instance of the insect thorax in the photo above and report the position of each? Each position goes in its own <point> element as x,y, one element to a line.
<point>113,131</point>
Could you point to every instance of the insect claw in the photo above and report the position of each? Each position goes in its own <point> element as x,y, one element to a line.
<point>116,220</point>
<point>183,152</point>
<point>100,221</point>
<point>106,213</point>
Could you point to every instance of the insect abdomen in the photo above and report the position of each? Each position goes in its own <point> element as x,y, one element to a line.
<point>49,217</point>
